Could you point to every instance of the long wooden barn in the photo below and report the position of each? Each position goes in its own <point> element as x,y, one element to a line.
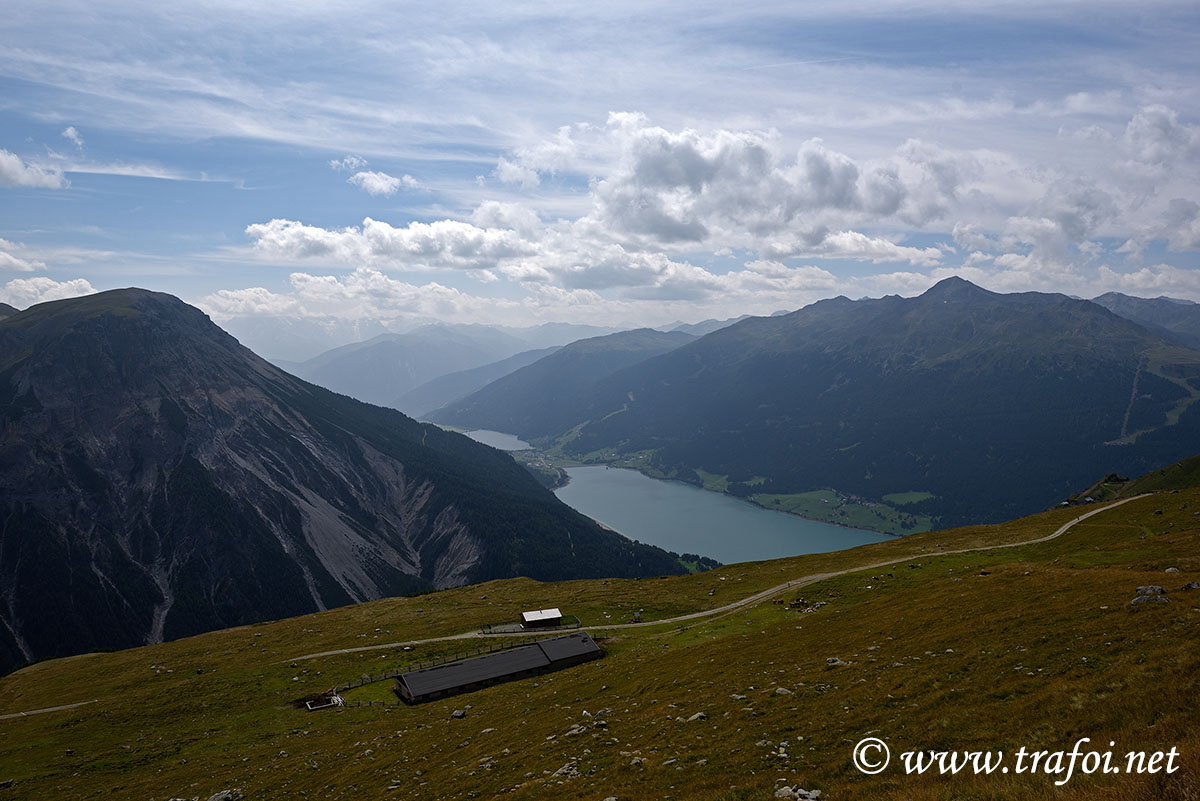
<point>468,675</point>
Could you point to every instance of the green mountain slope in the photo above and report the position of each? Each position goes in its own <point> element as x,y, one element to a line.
<point>1176,319</point>
<point>157,479</point>
<point>968,404</point>
<point>545,397</point>
<point>1034,646</point>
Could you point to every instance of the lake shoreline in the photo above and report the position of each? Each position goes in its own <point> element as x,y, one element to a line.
<point>513,444</point>
<point>684,518</point>
<point>610,466</point>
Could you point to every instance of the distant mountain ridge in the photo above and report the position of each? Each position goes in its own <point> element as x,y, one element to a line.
<point>1174,318</point>
<point>706,326</point>
<point>381,369</point>
<point>546,395</point>
<point>157,479</point>
<point>444,389</point>
<point>986,405</point>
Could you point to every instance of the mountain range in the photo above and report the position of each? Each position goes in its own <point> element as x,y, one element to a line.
<point>157,479</point>
<point>547,396</point>
<point>1176,319</point>
<point>970,405</point>
<point>437,392</point>
<point>386,367</point>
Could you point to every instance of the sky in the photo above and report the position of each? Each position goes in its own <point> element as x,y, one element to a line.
<point>611,163</point>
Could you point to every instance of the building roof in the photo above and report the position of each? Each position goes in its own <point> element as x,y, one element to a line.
<point>501,664</point>
<point>572,645</point>
<point>488,667</point>
<point>541,614</point>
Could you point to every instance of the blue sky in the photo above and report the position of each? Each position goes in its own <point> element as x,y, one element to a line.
<point>622,164</point>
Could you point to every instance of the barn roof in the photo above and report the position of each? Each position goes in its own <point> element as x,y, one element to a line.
<point>489,667</point>
<point>572,645</point>
<point>537,656</point>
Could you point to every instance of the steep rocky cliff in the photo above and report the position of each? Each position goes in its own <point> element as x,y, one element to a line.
<point>157,479</point>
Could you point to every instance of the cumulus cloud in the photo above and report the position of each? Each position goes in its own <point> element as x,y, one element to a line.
<point>512,172</point>
<point>661,202</point>
<point>558,154</point>
<point>726,188</point>
<point>251,301</point>
<point>26,292</point>
<point>15,172</point>
<point>380,183</point>
<point>851,245</point>
<point>1161,279</point>
<point>1156,136</point>
<point>444,244</point>
<point>10,260</point>
<point>348,163</point>
<point>71,133</point>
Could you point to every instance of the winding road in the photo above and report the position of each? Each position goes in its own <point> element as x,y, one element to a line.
<point>750,600</point>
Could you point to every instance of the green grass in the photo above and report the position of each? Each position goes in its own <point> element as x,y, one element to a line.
<point>905,498</point>
<point>1034,645</point>
<point>713,482</point>
<point>833,507</point>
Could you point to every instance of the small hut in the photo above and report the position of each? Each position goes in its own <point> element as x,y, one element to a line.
<point>541,619</point>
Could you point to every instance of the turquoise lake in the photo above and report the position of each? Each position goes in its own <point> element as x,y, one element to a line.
<point>686,519</point>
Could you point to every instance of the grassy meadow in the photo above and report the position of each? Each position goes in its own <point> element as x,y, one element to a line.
<point>1033,646</point>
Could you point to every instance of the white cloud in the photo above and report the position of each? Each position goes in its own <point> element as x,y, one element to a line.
<point>661,199</point>
<point>348,163</point>
<point>1156,136</point>
<point>380,183</point>
<point>444,244</point>
<point>249,302</point>
<point>26,292</point>
<point>852,245</point>
<point>1161,279</point>
<point>11,261</point>
<point>15,172</point>
<point>511,172</point>
<point>71,133</point>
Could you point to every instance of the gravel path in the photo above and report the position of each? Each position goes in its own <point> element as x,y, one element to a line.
<point>758,597</point>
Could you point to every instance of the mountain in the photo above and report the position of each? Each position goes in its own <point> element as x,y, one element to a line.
<point>385,367</point>
<point>7,311</point>
<point>543,398</point>
<point>962,404</point>
<point>157,479</point>
<point>444,389</point>
<point>706,326</point>
<point>281,339</point>
<point>1174,318</point>
<point>549,335</point>
<point>911,641</point>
